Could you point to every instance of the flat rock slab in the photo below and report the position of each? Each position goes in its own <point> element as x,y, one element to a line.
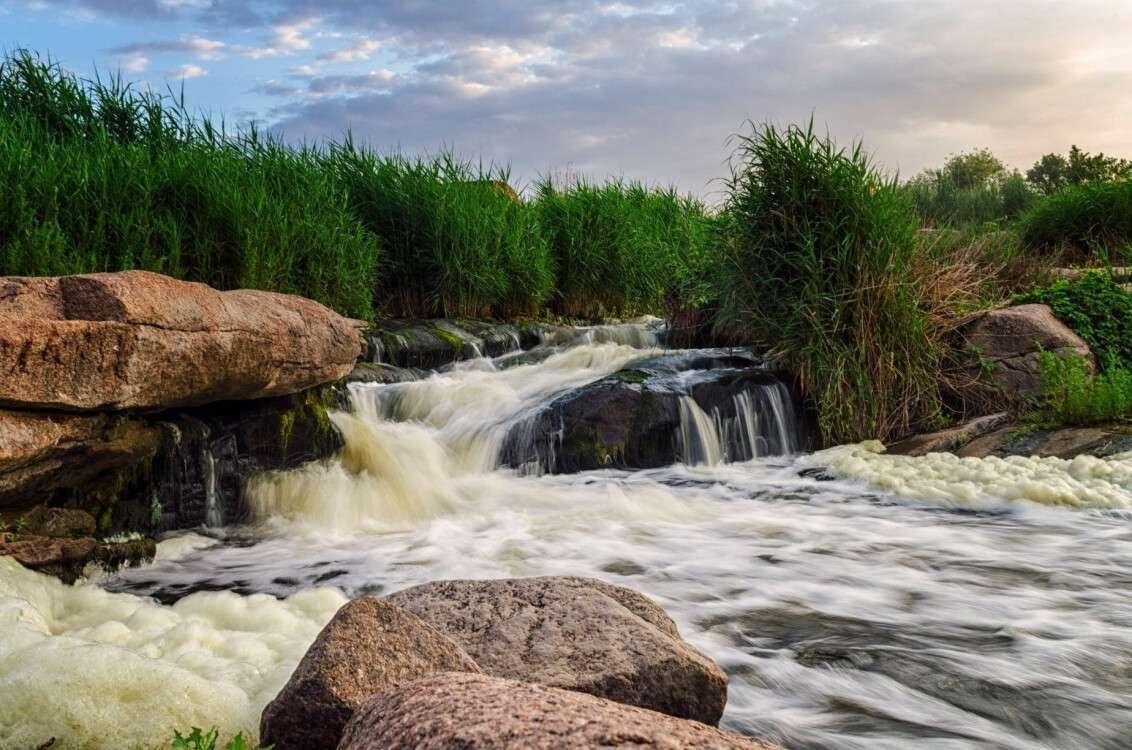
<point>368,646</point>
<point>475,712</point>
<point>951,439</point>
<point>140,340</point>
<point>575,633</point>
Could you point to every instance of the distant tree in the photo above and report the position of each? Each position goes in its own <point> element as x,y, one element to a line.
<point>1054,171</point>
<point>971,169</point>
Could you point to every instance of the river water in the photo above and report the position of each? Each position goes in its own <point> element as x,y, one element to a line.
<point>856,600</point>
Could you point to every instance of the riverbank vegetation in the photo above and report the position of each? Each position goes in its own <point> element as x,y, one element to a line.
<point>856,281</point>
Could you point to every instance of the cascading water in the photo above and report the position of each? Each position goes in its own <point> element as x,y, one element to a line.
<point>849,601</point>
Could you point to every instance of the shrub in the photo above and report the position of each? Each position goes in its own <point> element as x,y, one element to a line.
<point>939,200</point>
<point>817,266</point>
<point>1072,396</point>
<point>456,239</point>
<point>1098,309</point>
<point>619,247</point>
<point>1087,219</point>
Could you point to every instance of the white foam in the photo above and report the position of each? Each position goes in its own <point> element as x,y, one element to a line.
<point>101,670</point>
<point>1084,481</point>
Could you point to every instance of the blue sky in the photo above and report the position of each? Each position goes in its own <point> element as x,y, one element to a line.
<point>635,88</point>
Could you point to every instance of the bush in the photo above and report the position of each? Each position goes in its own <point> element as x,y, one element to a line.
<point>1098,309</point>
<point>940,201</point>
<point>457,241</point>
<point>821,248</point>
<point>102,179</point>
<point>1072,396</point>
<point>1086,220</point>
<point>619,248</point>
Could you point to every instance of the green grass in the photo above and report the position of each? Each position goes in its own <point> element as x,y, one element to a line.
<point>818,264</point>
<point>1071,395</point>
<point>939,201</point>
<point>1084,221</point>
<point>198,739</point>
<point>619,248</point>
<point>456,241</point>
<point>100,179</point>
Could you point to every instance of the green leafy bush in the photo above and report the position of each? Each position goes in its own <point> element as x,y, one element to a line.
<point>1086,220</point>
<point>618,248</point>
<point>1073,396</point>
<point>818,265</point>
<point>1098,309</point>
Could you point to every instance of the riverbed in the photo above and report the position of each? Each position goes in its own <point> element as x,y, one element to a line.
<point>856,600</point>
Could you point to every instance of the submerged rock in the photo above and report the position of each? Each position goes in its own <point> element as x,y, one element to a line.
<point>140,340</point>
<point>370,645</point>
<point>578,634</point>
<point>475,712</point>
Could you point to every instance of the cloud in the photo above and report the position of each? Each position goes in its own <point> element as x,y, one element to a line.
<point>185,72</point>
<point>652,88</point>
<point>360,50</point>
<point>287,39</point>
<point>198,46</point>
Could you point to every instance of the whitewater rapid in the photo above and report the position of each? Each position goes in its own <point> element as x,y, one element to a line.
<point>856,599</point>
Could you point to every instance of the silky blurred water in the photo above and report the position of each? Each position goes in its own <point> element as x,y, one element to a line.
<point>855,600</point>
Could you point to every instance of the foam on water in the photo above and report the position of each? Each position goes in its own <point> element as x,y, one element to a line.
<point>100,670</point>
<point>1082,482</point>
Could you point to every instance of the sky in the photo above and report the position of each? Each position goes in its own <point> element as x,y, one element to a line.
<point>635,88</point>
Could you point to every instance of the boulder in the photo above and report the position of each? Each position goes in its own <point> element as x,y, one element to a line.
<point>433,344</point>
<point>67,559</point>
<point>368,646</point>
<point>1008,343</point>
<point>139,340</point>
<point>43,451</point>
<point>475,712</point>
<point>575,633</point>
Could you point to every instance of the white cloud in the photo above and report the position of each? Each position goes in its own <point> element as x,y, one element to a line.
<point>135,64</point>
<point>185,72</point>
<point>360,50</point>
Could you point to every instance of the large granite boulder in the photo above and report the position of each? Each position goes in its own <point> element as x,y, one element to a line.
<point>578,634</point>
<point>139,340</point>
<point>1008,343</point>
<point>475,712</point>
<point>368,646</point>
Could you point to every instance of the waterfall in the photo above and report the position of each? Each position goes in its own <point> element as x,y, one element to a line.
<point>763,424</point>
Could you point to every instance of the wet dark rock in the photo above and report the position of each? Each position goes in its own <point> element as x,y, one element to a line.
<point>196,466</point>
<point>432,344</point>
<point>57,522</point>
<point>370,645</point>
<point>476,712</point>
<point>68,558</point>
<point>578,634</point>
<point>632,419</point>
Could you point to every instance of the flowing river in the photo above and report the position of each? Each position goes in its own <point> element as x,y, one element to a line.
<point>856,600</point>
